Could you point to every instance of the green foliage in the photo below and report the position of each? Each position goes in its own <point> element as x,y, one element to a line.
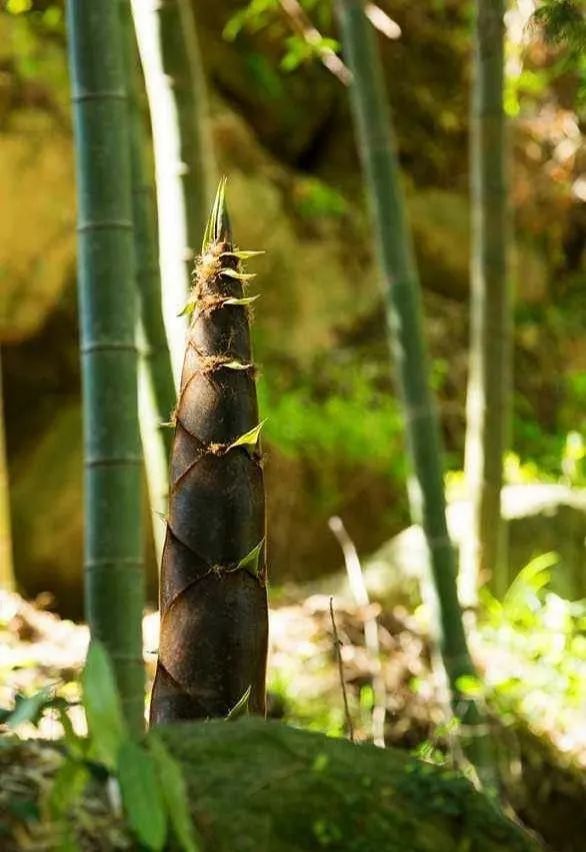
<point>251,560</point>
<point>106,725</point>
<point>174,790</point>
<point>150,780</point>
<point>27,708</point>
<point>299,47</point>
<point>35,34</point>
<point>141,795</point>
<point>563,22</point>
<point>300,51</point>
<point>335,411</point>
<point>545,635</point>
<point>574,460</point>
<point>315,199</point>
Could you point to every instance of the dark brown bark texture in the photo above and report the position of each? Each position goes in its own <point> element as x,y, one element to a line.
<point>214,613</point>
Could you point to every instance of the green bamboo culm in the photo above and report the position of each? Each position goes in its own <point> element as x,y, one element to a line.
<point>169,53</point>
<point>393,240</point>
<point>487,405</point>
<point>114,587</point>
<point>7,578</point>
<point>213,599</point>
<point>156,387</point>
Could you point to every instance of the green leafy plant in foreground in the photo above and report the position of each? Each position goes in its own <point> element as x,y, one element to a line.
<point>141,773</point>
<point>544,638</point>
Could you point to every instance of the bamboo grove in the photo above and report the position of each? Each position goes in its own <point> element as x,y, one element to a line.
<point>213,599</point>
<point>402,291</point>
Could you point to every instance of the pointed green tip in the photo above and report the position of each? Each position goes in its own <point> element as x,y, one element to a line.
<point>218,229</point>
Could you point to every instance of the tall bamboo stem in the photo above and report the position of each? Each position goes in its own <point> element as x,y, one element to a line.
<point>156,394</point>
<point>487,405</point>
<point>112,460</point>
<point>402,289</point>
<point>7,579</point>
<point>175,86</point>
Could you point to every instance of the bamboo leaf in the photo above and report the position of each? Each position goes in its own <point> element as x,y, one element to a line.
<point>142,795</point>
<point>29,708</point>
<point>67,788</point>
<point>245,300</point>
<point>175,795</point>
<point>239,276</point>
<point>242,255</point>
<point>249,438</point>
<point>106,725</point>
<point>241,706</point>
<point>236,365</point>
<point>469,685</point>
<point>213,223</point>
<point>187,309</point>
<point>76,746</point>
<point>250,561</point>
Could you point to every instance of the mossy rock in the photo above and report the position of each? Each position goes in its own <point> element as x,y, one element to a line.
<point>258,785</point>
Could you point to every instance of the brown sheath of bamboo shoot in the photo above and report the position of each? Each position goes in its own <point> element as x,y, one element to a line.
<point>214,613</point>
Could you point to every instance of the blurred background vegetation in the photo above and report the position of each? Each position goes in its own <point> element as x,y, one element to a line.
<point>282,132</point>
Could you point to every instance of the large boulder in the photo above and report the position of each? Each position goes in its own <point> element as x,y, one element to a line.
<point>256,785</point>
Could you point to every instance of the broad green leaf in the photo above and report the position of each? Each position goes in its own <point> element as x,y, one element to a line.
<point>241,706</point>
<point>106,725</point>
<point>239,276</point>
<point>250,561</point>
<point>30,709</point>
<point>242,255</point>
<point>67,788</point>
<point>245,300</point>
<point>250,438</point>
<point>174,791</point>
<point>141,795</point>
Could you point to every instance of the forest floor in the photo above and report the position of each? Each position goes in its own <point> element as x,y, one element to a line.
<point>39,649</point>
<point>545,751</point>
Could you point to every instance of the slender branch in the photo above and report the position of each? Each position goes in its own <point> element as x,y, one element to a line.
<point>371,640</point>
<point>337,647</point>
<point>302,25</point>
<point>381,21</point>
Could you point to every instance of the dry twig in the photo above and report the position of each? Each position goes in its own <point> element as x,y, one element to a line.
<point>337,644</point>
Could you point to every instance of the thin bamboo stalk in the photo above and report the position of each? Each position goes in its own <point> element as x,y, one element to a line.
<point>175,85</point>
<point>213,599</point>
<point>7,578</point>
<point>112,460</point>
<point>487,405</point>
<point>156,393</point>
<point>402,290</point>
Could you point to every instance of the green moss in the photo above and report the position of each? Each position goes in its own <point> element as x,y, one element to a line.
<point>258,785</point>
